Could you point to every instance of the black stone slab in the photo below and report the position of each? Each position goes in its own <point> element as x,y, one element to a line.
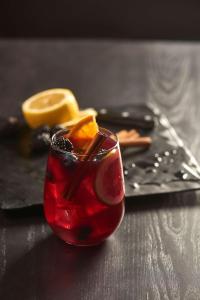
<point>166,166</point>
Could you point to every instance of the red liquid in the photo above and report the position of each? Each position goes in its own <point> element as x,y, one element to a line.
<point>95,208</point>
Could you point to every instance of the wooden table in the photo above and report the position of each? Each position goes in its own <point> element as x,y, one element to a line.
<point>155,254</point>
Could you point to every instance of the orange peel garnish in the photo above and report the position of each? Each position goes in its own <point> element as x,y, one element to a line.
<point>84,131</point>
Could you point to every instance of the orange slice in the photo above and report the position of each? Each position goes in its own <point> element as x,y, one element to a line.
<point>86,128</point>
<point>82,114</point>
<point>84,131</point>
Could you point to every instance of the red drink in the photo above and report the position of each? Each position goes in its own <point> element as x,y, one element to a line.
<point>83,196</point>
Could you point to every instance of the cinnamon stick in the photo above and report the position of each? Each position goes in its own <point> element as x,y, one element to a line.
<point>136,142</point>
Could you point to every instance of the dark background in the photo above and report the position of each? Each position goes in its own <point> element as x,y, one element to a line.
<point>129,19</point>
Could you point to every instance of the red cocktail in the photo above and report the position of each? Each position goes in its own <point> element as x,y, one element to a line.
<point>83,194</point>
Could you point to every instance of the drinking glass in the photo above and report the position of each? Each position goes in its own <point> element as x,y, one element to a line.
<point>84,195</point>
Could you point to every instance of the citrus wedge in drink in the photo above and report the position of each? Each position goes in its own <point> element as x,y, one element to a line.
<point>110,191</point>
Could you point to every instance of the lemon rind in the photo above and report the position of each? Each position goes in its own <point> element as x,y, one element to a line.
<point>67,95</point>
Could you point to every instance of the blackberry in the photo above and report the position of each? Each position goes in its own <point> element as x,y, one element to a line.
<point>55,129</point>
<point>84,233</point>
<point>63,144</point>
<point>69,160</point>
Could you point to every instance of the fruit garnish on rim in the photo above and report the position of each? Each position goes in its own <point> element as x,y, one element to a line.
<point>84,132</point>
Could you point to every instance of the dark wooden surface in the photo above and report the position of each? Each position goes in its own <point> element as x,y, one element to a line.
<point>155,254</point>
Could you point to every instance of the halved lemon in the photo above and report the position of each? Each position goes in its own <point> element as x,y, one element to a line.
<point>52,107</point>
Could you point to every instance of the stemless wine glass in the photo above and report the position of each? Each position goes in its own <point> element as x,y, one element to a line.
<point>84,195</point>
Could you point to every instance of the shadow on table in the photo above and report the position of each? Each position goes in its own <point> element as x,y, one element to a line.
<point>52,270</point>
<point>22,217</point>
<point>155,202</point>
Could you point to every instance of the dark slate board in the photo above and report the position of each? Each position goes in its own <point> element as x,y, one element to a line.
<point>21,178</point>
<point>166,166</point>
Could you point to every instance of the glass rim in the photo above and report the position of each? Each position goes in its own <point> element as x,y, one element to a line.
<point>102,153</point>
